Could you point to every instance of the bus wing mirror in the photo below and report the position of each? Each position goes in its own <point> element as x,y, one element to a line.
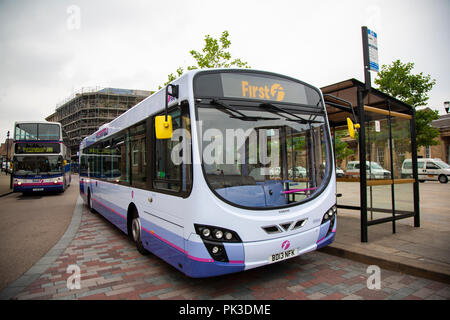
<point>172,90</point>
<point>163,124</point>
<point>163,127</point>
<point>352,127</point>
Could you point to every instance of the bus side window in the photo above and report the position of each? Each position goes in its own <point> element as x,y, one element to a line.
<point>105,157</point>
<point>83,165</point>
<point>91,162</point>
<point>167,174</point>
<point>138,156</point>
<point>120,146</point>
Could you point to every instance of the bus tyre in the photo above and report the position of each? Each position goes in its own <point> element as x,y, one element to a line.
<point>443,179</point>
<point>89,202</point>
<point>136,233</point>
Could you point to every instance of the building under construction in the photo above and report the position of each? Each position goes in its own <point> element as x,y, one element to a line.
<point>85,111</point>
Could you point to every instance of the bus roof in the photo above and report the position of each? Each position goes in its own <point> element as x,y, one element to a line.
<point>44,122</point>
<point>142,110</point>
<point>155,104</point>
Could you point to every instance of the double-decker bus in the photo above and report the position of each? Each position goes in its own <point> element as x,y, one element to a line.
<point>41,160</point>
<point>205,172</point>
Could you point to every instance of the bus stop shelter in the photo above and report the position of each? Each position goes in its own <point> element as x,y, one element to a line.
<point>379,165</point>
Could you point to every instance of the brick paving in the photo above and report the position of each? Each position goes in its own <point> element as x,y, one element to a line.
<point>111,268</point>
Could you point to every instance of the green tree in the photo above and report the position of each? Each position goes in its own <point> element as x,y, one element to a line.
<point>342,149</point>
<point>215,54</point>
<point>398,81</point>
<point>428,134</point>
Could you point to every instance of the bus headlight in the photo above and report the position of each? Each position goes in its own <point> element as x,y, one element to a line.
<point>219,234</point>
<point>206,232</point>
<point>330,216</point>
<point>216,251</point>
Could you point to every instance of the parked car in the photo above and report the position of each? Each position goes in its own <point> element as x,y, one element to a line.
<point>297,172</point>
<point>373,170</point>
<point>275,171</point>
<point>339,172</point>
<point>427,169</point>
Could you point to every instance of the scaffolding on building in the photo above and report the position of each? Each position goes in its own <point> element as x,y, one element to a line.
<point>85,111</point>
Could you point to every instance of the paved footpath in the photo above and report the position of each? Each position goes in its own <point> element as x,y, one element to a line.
<point>111,268</point>
<point>4,183</point>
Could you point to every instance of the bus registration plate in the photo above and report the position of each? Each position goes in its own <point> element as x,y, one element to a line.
<point>38,189</point>
<point>283,255</point>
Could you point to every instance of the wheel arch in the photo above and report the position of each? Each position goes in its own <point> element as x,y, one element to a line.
<point>132,209</point>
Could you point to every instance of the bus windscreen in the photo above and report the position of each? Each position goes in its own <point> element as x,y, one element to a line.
<point>37,165</point>
<point>37,131</point>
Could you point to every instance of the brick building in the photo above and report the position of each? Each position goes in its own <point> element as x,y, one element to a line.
<point>4,152</point>
<point>442,150</point>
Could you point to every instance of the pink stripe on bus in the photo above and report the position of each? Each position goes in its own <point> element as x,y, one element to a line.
<point>298,190</point>
<point>165,241</point>
<point>111,209</point>
<point>178,248</point>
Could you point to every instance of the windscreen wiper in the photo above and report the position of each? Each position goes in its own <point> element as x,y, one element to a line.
<point>278,109</point>
<point>240,115</point>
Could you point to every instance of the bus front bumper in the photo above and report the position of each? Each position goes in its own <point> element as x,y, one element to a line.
<point>261,253</point>
<point>39,187</point>
<point>249,255</point>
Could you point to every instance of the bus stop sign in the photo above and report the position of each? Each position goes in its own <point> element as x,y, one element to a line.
<point>373,50</point>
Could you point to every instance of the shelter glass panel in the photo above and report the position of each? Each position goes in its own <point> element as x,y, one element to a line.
<point>378,165</point>
<point>346,151</point>
<point>401,147</point>
<point>404,197</point>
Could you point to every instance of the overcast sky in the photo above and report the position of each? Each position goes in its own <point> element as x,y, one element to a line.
<point>49,49</point>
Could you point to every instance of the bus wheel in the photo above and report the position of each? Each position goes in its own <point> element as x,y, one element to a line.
<point>136,231</point>
<point>89,202</point>
<point>443,179</point>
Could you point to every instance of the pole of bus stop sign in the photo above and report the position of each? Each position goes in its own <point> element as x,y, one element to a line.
<point>362,149</point>
<point>7,153</point>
